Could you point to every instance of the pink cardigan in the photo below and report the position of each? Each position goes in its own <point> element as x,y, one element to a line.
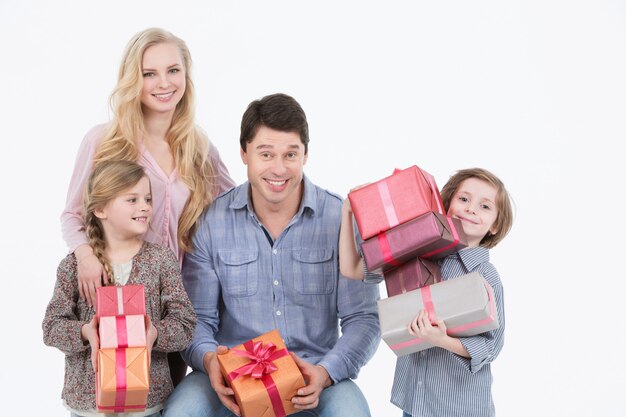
<point>169,194</point>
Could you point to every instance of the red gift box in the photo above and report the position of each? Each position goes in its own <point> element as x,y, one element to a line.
<point>412,275</point>
<point>394,200</point>
<point>431,235</point>
<point>126,300</point>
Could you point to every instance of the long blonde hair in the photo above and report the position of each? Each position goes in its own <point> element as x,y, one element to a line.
<point>107,180</point>
<point>187,142</point>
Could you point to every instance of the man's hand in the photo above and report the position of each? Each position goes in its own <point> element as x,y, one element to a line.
<point>89,333</point>
<point>316,378</point>
<point>90,274</point>
<point>212,369</point>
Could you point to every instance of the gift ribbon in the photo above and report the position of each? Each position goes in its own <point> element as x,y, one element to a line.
<point>120,301</point>
<point>120,380</point>
<point>401,279</point>
<point>427,300</point>
<point>455,237</point>
<point>261,365</point>
<point>121,331</point>
<point>385,250</point>
<point>385,197</point>
<point>433,187</point>
<point>462,327</point>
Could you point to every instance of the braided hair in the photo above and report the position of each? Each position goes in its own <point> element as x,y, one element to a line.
<point>107,180</point>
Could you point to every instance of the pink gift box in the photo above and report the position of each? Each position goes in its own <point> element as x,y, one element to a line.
<point>411,275</point>
<point>403,196</point>
<point>431,235</point>
<point>124,300</point>
<point>122,331</point>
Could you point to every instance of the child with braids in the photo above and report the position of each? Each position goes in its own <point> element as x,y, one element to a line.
<point>117,210</point>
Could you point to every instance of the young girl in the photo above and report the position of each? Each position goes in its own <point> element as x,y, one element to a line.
<point>453,378</point>
<point>117,209</point>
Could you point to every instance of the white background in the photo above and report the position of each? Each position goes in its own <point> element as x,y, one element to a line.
<point>534,91</point>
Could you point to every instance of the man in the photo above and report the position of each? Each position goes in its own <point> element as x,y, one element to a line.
<point>265,256</point>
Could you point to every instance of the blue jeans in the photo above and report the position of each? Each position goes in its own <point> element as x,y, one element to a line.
<point>405,414</point>
<point>194,397</point>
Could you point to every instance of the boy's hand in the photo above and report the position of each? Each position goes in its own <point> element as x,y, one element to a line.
<point>422,327</point>
<point>89,333</point>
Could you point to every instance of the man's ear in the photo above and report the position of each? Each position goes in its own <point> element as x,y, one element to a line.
<point>306,158</point>
<point>244,156</point>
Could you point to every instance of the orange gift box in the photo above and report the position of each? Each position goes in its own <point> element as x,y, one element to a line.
<point>263,375</point>
<point>122,380</point>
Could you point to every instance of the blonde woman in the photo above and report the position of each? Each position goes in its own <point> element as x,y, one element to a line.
<point>153,125</point>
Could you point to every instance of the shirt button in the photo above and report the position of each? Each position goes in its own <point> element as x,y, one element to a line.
<point>275,251</point>
<point>419,382</point>
<point>275,282</point>
<point>278,313</point>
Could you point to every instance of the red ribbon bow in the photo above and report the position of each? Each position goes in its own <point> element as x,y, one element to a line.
<point>262,357</point>
<point>260,367</point>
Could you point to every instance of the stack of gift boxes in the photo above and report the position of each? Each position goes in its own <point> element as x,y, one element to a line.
<point>123,374</point>
<point>405,229</point>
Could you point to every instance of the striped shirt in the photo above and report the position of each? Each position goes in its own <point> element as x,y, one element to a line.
<point>242,285</point>
<point>436,382</point>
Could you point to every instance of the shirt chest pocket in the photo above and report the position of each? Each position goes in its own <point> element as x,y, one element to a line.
<point>237,272</point>
<point>314,271</point>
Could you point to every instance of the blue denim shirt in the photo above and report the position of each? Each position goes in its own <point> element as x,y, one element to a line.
<point>242,285</point>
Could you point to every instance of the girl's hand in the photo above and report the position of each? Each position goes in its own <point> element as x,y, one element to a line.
<point>90,274</point>
<point>151,337</point>
<point>89,333</point>
<point>422,328</point>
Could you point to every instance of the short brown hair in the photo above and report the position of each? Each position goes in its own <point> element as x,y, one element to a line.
<point>504,221</point>
<point>276,111</point>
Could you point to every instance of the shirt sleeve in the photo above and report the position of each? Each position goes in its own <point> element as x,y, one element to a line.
<point>360,329</point>
<point>223,179</point>
<point>368,277</point>
<point>176,328</point>
<point>61,325</point>
<point>202,285</point>
<point>485,347</point>
<point>71,217</point>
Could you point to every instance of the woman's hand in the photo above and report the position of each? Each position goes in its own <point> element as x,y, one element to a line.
<point>90,274</point>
